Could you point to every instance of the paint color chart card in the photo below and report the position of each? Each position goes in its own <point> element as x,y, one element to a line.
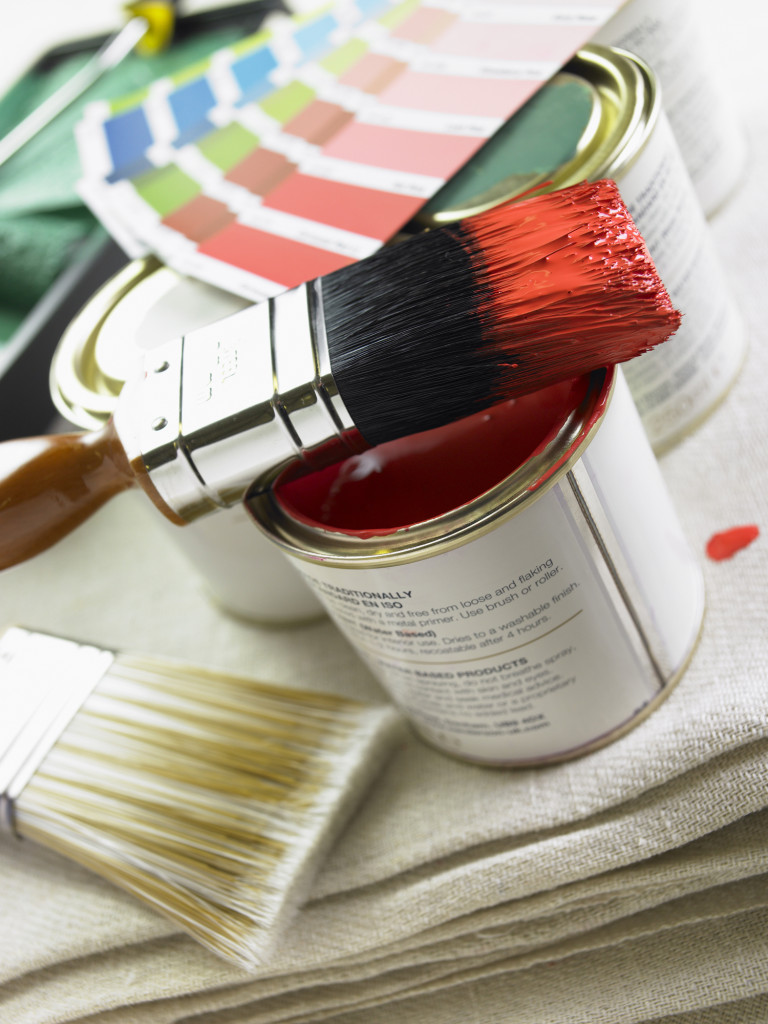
<point>307,146</point>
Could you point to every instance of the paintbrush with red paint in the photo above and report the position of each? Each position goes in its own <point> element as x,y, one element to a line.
<point>419,335</point>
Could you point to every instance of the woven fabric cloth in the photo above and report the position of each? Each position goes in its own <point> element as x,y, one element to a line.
<point>626,887</point>
<point>630,883</point>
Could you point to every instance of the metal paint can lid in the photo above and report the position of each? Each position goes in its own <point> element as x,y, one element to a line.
<point>142,306</point>
<point>574,422</point>
<point>590,121</point>
<point>606,110</point>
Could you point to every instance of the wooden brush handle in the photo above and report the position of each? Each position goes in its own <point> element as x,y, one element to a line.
<point>49,485</point>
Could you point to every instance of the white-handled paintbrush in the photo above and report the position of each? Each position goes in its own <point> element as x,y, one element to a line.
<point>212,798</point>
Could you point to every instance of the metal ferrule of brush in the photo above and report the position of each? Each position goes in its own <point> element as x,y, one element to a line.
<point>45,682</point>
<point>232,404</point>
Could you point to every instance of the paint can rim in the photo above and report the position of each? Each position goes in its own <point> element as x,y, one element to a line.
<point>626,104</point>
<point>313,542</point>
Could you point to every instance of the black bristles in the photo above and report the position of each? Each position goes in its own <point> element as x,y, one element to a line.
<point>405,339</point>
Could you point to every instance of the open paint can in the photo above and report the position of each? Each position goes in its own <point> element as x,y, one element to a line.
<point>142,306</point>
<point>519,581</point>
<point>602,117</point>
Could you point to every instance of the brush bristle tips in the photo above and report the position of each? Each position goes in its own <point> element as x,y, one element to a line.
<point>524,295</point>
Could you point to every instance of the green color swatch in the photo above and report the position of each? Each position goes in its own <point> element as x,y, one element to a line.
<point>227,146</point>
<point>285,103</point>
<point>339,60</point>
<point>391,19</point>
<point>166,188</point>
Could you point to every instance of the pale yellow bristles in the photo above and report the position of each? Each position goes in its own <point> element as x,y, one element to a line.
<point>212,798</point>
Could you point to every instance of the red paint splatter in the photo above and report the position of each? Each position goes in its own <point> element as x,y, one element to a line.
<point>728,542</point>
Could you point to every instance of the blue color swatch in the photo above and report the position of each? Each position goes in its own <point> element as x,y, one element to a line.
<point>128,135</point>
<point>189,105</point>
<point>313,39</point>
<point>251,74</point>
<point>370,8</point>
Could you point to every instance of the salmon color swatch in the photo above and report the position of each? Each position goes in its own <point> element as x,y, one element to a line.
<point>200,218</point>
<point>318,122</point>
<point>373,72</point>
<point>261,171</point>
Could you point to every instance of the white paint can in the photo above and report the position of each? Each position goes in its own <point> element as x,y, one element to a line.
<point>546,601</point>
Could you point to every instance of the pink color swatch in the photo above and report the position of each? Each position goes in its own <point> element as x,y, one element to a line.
<point>512,42</point>
<point>458,94</point>
<point>402,150</point>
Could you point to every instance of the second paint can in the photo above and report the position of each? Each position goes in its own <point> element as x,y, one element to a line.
<point>671,37</point>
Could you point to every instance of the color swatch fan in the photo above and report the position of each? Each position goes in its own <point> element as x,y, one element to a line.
<point>305,147</point>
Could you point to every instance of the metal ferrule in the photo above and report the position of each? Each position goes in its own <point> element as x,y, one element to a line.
<point>232,404</point>
<point>44,681</point>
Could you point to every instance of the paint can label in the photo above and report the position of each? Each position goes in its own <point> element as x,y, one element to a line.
<point>670,37</point>
<point>546,635</point>
<point>677,385</point>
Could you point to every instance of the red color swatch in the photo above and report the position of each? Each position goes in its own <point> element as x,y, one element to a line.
<point>272,257</point>
<point>726,543</point>
<point>402,150</point>
<point>261,171</point>
<point>365,211</point>
<point>200,218</point>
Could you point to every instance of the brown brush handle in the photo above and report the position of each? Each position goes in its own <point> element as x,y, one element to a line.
<point>49,485</point>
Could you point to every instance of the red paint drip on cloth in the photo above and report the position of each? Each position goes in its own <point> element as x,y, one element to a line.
<point>726,543</point>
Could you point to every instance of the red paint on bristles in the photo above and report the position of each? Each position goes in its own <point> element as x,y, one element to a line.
<point>496,306</point>
<point>569,273</point>
<point>727,543</point>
